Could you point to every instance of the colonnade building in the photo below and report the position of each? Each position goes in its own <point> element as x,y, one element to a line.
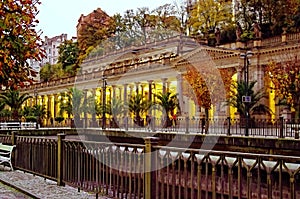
<point>159,67</point>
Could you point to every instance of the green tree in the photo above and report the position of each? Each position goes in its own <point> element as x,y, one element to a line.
<point>46,72</point>
<point>207,15</point>
<point>169,103</point>
<point>115,109</point>
<point>28,113</point>
<point>256,106</point>
<point>271,15</point>
<point>19,42</point>
<point>14,100</point>
<point>72,103</point>
<point>68,55</point>
<point>137,105</point>
<point>40,112</point>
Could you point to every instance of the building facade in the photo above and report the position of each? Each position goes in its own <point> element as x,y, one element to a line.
<point>159,67</point>
<point>50,47</point>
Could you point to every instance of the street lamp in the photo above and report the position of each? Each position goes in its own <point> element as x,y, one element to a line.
<point>246,99</point>
<point>103,102</point>
<point>36,101</point>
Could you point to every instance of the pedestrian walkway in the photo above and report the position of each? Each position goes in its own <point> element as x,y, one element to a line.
<point>38,187</point>
<point>7,192</point>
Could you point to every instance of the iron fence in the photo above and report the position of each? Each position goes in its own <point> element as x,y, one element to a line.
<point>219,126</point>
<point>149,170</point>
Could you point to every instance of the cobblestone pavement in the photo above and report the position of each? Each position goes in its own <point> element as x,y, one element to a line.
<point>7,192</point>
<point>37,187</point>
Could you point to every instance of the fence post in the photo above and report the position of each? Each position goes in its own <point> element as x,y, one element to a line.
<point>126,123</point>
<point>281,127</point>
<point>153,124</point>
<point>13,138</point>
<point>60,138</point>
<point>229,124</point>
<point>150,167</point>
<point>187,124</point>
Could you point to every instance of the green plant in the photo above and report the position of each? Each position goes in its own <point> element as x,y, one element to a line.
<point>240,89</point>
<point>30,118</point>
<point>59,119</point>
<point>137,105</point>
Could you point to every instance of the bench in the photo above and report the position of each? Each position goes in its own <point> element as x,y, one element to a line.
<point>10,125</point>
<point>17,125</point>
<point>293,128</point>
<point>6,154</point>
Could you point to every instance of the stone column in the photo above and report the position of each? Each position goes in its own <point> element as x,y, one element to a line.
<point>179,90</point>
<point>239,73</point>
<point>142,91</point>
<point>164,85</point>
<point>55,96</point>
<point>50,109</point>
<point>120,93</point>
<point>114,91</point>
<point>137,87</point>
<point>85,119</point>
<point>125,93</point>
<point>94,122</point>
<point>150,82</point>
<point>131,90</point>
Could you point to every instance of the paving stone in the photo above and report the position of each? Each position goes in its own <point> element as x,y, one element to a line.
<point>7,192</point>
<point>38,187</point>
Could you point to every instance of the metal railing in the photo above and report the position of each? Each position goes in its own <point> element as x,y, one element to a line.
<point>280,127</point>
<point>153,171</point>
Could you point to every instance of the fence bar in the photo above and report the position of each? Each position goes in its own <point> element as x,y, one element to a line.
<point>187,125</point>
<point>281,127</point>
<point>150,176</point>
<point>60,137</point>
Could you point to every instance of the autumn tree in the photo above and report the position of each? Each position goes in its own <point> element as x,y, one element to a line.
<point>144,25</point>
<point>209,85</point>
<point>139,27</point>
<point>19,42</point>
<point>286,79</point>
<point>272,15</point>
<point>94,29</point>
<point>207,15</point>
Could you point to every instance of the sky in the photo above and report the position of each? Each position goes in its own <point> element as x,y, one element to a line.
<point>61,16</point>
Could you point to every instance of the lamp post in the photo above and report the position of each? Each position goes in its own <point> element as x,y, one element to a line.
<point>36,101</point>
<point>104,102</point>
<point>246,99</point>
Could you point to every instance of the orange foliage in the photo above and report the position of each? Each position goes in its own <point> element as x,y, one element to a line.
<point>209,85</point>
<point>286,80</point>
<point>19,42</point>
